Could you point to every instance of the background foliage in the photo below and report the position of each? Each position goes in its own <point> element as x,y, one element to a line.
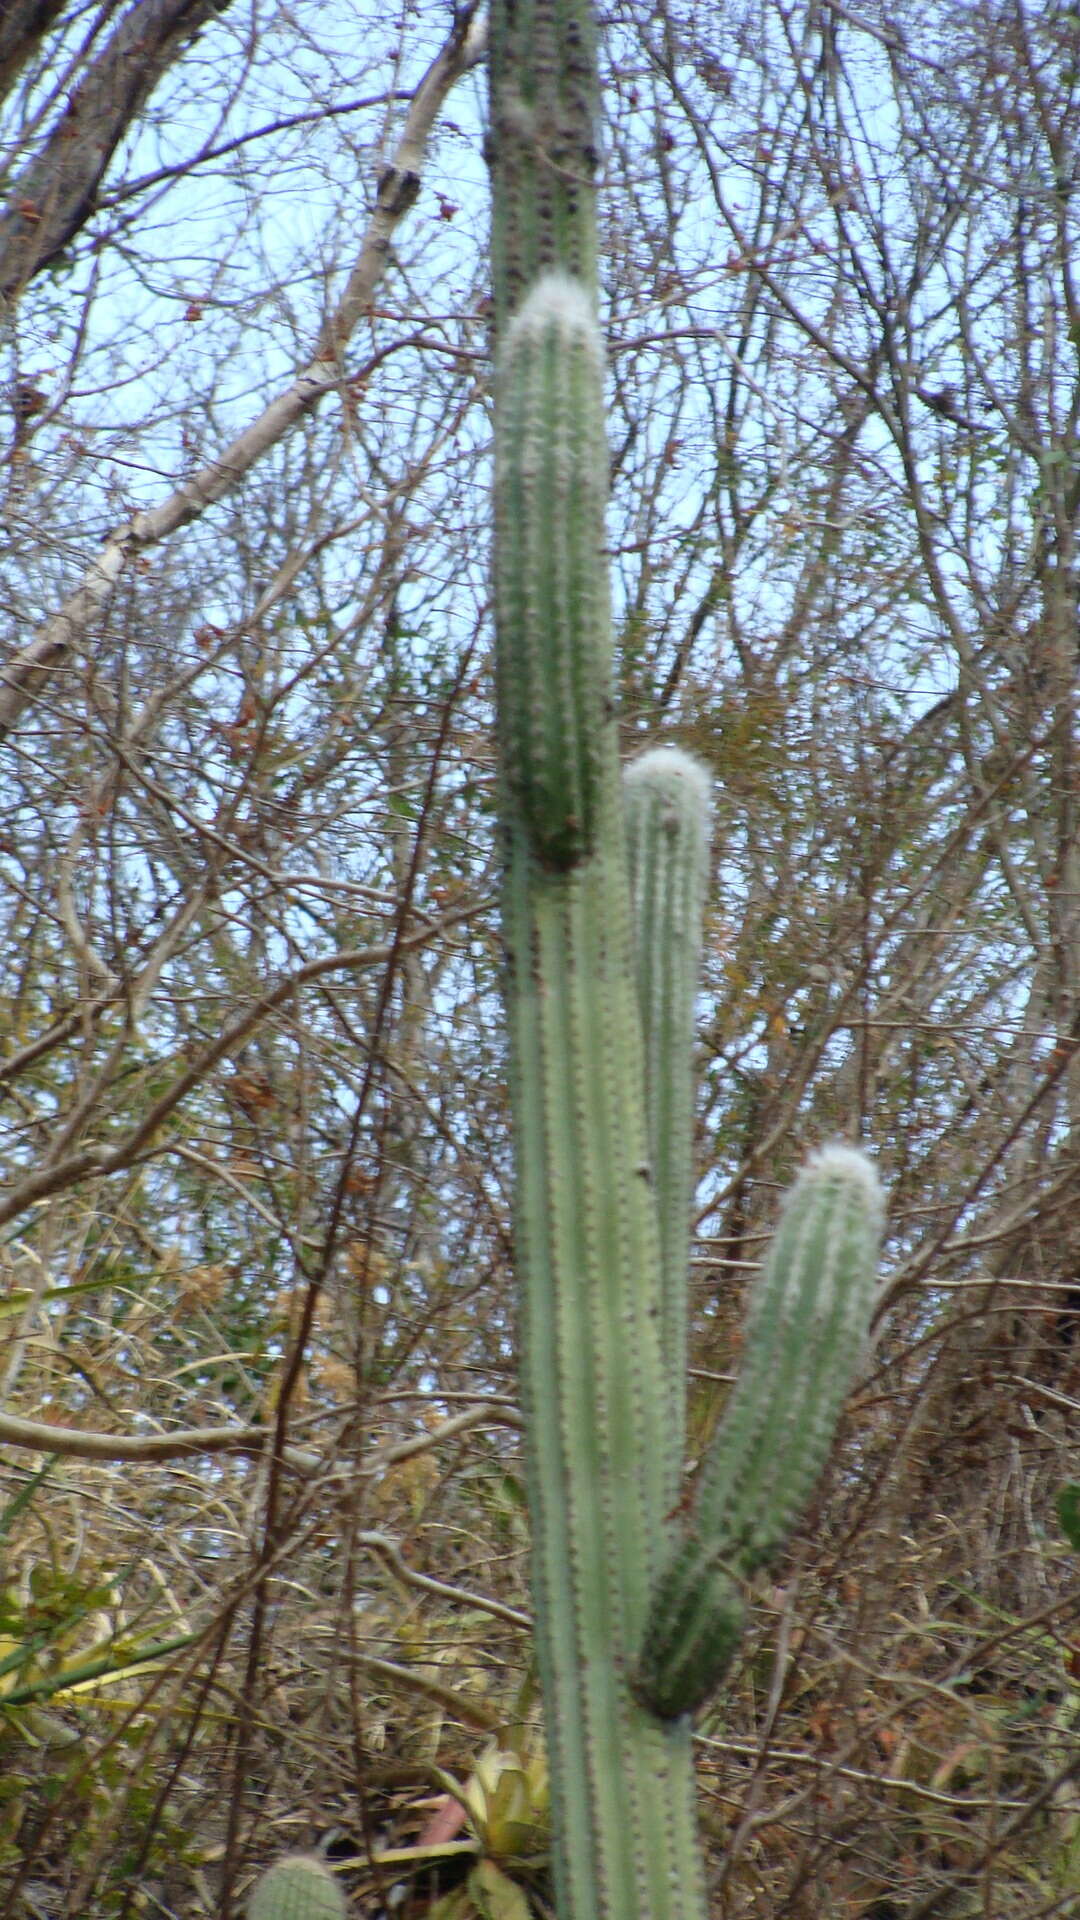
<point>263,1575</point>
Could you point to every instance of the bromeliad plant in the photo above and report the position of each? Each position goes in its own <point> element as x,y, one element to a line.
<point>638,1611</point>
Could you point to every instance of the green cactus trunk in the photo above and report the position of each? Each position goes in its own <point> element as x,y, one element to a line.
<point>603,1457</point>
<point>542,147</point>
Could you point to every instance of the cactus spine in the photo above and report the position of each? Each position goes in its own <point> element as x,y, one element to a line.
<point>298,1887</point>
<point>633,1626</point>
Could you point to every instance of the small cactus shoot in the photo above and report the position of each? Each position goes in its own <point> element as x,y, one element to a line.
<point>298,1887</point>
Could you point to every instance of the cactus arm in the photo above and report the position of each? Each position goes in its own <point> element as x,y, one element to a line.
<point>695,1625</point>
<point>806,1336</point>
<point>667,800</point>
<point>805,1341</point>
<point>553,685</point>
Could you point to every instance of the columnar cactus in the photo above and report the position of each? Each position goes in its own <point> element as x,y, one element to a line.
<point>635,1623</point>
<point>298,1887</point>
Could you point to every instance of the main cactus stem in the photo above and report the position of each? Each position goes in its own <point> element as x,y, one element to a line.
<point>603,1459</point>
<point>637,1615</point>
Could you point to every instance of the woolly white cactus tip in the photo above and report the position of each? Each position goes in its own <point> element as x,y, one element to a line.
<point>670,770</point>
<point>838,1161</point>
<point>557,299</point>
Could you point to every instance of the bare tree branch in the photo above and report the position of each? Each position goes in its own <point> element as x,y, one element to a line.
<point>22,25</point>
<point>74,1443</point>
<point>60,1174</point>
<point>56,193</point>
<point>27,673</point>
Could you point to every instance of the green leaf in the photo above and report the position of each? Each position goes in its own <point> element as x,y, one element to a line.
<point>1068,1513</point>
<point>495,1895</point>
<point>15,1507</point>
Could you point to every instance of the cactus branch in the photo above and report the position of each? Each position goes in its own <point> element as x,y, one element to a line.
<point>806,1337</point>
<point>668,809</point>
<point>551,591</point>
